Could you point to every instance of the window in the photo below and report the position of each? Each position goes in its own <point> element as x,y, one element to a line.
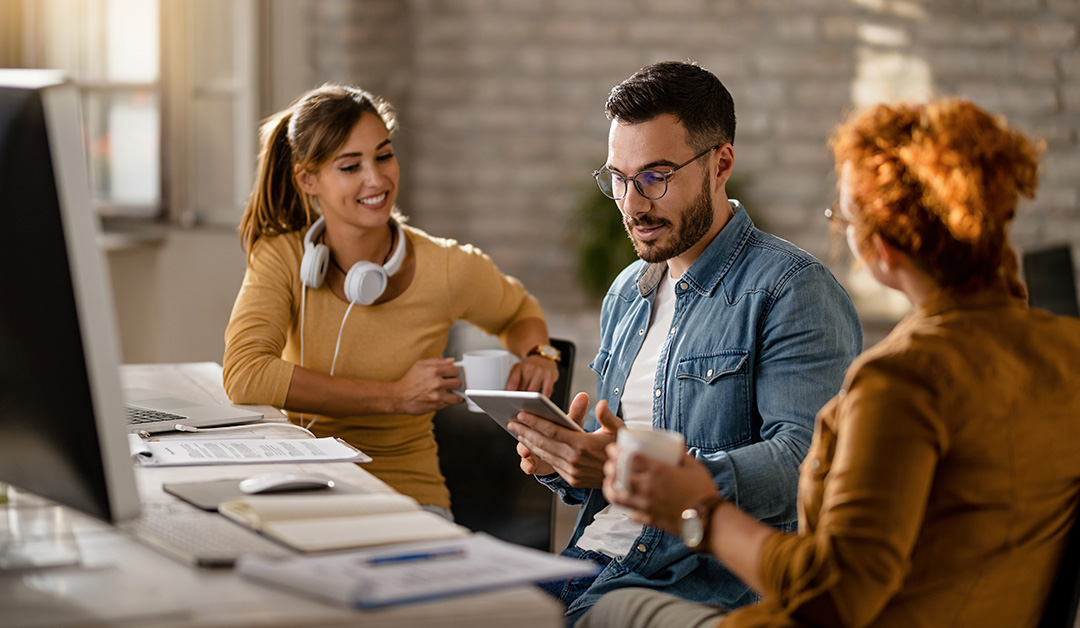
<point>169,99</point>
<point>110,48</point>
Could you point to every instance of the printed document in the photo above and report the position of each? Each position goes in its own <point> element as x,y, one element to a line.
<point>183,451</point>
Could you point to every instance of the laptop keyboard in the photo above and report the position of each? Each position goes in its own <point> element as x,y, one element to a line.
<point>139,416</point>
<point>195,536</point>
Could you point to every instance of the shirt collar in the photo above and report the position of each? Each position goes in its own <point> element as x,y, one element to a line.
<point>942,301</point>
<point>705,274</point>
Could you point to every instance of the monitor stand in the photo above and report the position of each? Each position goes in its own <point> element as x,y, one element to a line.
<point>34,533</point>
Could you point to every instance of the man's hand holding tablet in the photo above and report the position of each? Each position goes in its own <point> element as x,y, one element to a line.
<point>550,445</point>
<point>504,405</point>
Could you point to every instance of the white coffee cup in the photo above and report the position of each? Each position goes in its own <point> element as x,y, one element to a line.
<point>667,446</point>
<point>486,369</point>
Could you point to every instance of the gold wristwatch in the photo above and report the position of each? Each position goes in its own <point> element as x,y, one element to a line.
<point>546,351</point>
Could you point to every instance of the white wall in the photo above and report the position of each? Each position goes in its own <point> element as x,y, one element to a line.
<point>173,298</point>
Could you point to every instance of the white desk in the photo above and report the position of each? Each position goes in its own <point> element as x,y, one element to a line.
<point>121,582</point>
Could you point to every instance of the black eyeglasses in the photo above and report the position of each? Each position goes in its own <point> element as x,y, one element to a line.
<point>652,184</point>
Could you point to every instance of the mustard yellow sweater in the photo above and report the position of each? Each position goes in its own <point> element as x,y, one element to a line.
<point>380,343</point>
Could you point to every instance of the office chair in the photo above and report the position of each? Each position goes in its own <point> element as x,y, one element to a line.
<point>488,491</point>
<point>1064,598</point>
<point>561,394</point>
<point>1051,281</point>
<point>1051,285</point>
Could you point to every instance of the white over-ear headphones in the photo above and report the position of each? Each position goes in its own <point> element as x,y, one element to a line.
<point>365,282</point>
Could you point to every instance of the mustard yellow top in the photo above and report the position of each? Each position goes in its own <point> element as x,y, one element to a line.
<point>941,482</point>
<point>380,342</point>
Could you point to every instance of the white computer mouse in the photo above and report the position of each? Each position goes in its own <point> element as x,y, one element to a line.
<point>277,482</point>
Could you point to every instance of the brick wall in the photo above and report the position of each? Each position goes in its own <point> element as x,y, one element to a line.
<point>502,103</point>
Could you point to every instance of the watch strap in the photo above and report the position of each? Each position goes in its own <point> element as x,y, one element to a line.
<point>542,351</point>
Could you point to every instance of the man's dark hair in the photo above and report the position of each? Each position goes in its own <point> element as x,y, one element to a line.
<point>683,89</point>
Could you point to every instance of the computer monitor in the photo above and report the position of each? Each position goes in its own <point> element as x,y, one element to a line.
<point>63,432</point>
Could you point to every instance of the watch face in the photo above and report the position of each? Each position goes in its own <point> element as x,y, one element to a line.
<point>547,351</point>
<point>692,530</point>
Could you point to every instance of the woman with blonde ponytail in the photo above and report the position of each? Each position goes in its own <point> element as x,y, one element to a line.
<point>345,310</point>
<point>943,480</point>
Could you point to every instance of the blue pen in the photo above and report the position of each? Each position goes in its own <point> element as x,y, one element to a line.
<point>415,556</point>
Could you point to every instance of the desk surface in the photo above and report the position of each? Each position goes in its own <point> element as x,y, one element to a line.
<point>121,581</point>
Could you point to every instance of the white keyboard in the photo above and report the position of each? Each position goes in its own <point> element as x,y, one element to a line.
<point>202,538</point>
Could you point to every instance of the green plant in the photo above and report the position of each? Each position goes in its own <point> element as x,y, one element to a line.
<point>603,248</point>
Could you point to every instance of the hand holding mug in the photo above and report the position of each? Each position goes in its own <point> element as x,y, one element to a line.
<point>656,492</point>
<point>424,388</point>
<point>486,369</point>
<point>667,446</point>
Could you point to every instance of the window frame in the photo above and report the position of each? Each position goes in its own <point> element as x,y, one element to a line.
<point>208,103</point>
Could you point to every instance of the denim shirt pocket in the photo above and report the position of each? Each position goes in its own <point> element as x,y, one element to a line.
<point>600,362</point>
<point>604,388</point>
<point>713,400</point>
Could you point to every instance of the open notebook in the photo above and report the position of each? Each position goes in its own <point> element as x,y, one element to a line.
<point>321,521</point>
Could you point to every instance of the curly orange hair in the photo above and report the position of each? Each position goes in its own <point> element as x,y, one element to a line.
<point>940,181</point>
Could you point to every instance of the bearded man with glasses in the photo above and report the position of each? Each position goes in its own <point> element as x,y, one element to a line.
<point>722,332</point>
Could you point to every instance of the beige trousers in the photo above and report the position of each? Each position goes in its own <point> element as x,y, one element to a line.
<point>645,608</point>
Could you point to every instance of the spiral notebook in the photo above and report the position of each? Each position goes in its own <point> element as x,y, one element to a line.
<point>414,572</point>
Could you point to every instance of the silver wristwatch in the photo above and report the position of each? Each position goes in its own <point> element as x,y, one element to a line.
<point>694,528</point>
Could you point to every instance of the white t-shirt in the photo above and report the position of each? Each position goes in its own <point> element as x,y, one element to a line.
<point>612,532</point>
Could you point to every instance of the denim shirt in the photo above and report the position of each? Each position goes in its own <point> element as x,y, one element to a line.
<point>760,339</point>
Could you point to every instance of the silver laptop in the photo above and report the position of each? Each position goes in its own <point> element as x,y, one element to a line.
<point>156,411</point>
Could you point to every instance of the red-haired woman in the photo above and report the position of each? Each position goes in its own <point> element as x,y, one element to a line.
<point>943,479</point>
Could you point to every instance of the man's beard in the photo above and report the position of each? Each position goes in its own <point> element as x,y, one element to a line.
<point>694,223</point>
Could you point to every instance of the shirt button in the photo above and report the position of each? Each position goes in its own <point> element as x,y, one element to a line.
<point>641,548</point>
<point>616,391</point>
<point>672,331</point>
<point>657,392</point>
<point>684,285</point>
<point>709,373</point>
<point>641,332</point>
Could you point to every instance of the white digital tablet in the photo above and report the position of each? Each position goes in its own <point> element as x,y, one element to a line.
<point>504,405</point>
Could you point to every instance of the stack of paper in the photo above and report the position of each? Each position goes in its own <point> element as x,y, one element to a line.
<point>414,572</point>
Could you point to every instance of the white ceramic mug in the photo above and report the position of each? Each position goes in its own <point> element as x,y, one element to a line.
<point>667,446</point>
<point>486,369</point>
